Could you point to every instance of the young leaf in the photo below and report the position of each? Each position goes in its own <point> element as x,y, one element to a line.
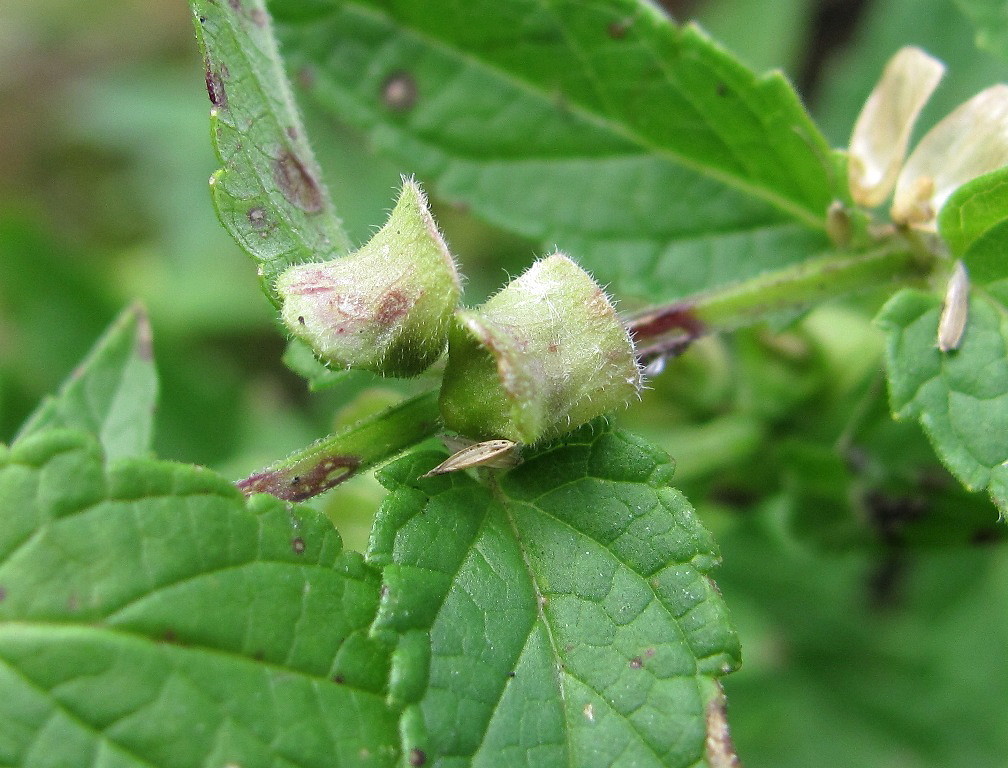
<point>562,615</point>
<point>269,193</point>
<point>960,397</point>
<point>974,223</point>
<point>150,616</point>
<point>111,394</point>
<point>604,129</point>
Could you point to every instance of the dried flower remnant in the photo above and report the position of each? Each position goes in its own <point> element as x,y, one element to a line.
<point>952,323</point>
<point>495,454</point>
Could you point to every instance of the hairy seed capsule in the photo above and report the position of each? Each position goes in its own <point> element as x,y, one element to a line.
<point>386,307</point>
<point>540,358</point>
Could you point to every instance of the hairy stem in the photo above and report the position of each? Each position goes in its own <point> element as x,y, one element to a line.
<point>338,457</point>
<point>657,333</point>
<point>668,330</point>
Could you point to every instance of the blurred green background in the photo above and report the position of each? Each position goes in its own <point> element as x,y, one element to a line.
<point>867,586</point>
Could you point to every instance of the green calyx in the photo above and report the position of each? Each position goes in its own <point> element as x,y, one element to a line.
<point>386,307</point>
<point>542,357</point>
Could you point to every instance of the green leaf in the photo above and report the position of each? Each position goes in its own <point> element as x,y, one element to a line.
<point>974,223</point>
<point>990,17</point>
<point>112,394</point>
<point>150,616</point>
<point>959,397</point>
<point>560,615</point>
<point>269,195</point>
<point>641,148</point>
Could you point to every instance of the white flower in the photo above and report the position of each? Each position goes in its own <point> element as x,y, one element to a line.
<point>971,141</point>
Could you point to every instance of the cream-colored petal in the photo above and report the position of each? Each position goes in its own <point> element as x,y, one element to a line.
<point>969,142</point>
<point>882,131</point>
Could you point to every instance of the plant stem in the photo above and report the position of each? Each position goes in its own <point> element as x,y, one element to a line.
<point>333,459</point>
<point>658,333</point>
<point>667,331</point>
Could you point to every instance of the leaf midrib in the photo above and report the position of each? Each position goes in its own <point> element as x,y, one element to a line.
<point>603,122</point>
<point>504,500</point>
<point>119,634</point>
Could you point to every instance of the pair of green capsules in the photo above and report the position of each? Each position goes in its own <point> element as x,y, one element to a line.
<point>543,356</point>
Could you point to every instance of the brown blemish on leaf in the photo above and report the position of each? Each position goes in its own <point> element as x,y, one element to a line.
<point>301,319</point>
<point>3,594</point>
<point>73,603</point>
<point>720,751</point>
<point>636,662</point>
<point>235,5</point>
<point>306,77</point>
<point>399,91</point>
<point>417,757</point>
<point>257,218</point>
<point>292,132</point>
<point>258,17</point>
<point>215,84</point>
<point>169,636</point>
<point>338,679</point>
<point>298,546</point>
<point>618,29</point>
<point>392,307</point>
<point>301,482</point>
<point>298,186</point>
